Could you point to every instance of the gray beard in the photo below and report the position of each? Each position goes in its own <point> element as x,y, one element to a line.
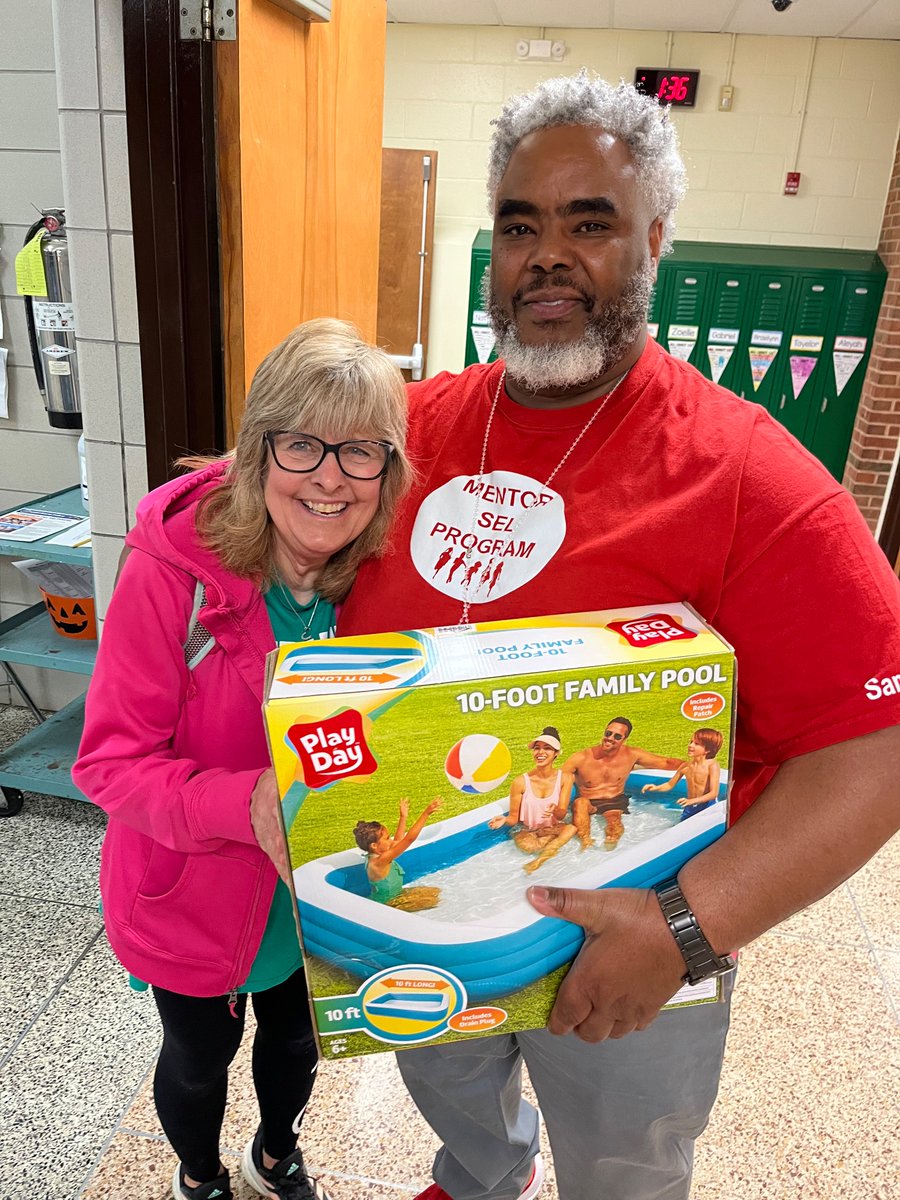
<point>611,331</point>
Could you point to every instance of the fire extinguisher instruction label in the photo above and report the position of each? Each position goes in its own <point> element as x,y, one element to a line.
<point>54,315</point>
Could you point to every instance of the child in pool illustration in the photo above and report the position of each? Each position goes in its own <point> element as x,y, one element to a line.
<point>383,849</point>
<point>539,801</point>
<point>701,772</point>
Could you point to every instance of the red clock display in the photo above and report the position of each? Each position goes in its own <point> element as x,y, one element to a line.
<point>668,86</point>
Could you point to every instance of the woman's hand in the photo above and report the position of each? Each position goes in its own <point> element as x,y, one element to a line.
<point>433,806</point>
<point>496,822</point>
<point>265,817</point>
<point>404,808</point>
<point>650,787</point>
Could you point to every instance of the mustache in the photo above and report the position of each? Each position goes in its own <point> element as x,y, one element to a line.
<point>553,281</point>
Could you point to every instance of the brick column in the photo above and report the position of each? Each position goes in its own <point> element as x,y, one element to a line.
<point>877,429</point>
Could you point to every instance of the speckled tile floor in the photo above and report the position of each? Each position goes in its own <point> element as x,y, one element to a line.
<point>808,1106</point>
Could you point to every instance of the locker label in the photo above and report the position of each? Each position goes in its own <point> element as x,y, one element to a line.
<point>844,366</point>
<point>653,328</point>
<point>801,369</point>
<point>850,343</point>
<point>799,342</point>
<point>761,358</point>
<point>484,342</point>
<point>728,336</point>
<point>684,332</point>
<point>719,357</point>
<point>766,337</point>
<point>480,318</point>
<point>682,350</point>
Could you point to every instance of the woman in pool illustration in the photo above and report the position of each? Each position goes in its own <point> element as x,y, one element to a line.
<point>701,772</point>
<point>383,849</point>
<point>539,801</point>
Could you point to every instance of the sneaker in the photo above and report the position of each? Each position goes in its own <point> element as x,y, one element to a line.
<point>287,1180</point>
<point>217,1189</point>
<point>528,1192</point>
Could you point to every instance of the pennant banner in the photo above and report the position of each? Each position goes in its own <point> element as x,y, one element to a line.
<point>719,357</point>
<point>484,340</point>
<point>844,366</point>
<point>682,350</point>
<point>761,358</point>
<point>801,369</point>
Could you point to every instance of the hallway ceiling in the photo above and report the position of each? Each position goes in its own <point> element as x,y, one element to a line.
<point>804,18</point>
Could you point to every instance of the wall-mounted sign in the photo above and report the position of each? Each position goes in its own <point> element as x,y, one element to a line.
<point>799,342</point>
<point>766,337</point>
<point>667,85</point>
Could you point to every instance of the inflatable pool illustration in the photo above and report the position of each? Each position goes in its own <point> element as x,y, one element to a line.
<point>498,943</point>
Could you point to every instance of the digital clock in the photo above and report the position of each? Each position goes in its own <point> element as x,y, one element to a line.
<point>668,86</point>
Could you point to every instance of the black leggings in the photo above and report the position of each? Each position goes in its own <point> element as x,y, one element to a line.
<point>200,1039</point>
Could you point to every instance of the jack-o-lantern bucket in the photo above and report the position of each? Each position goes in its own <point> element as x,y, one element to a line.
<point>72,616</point>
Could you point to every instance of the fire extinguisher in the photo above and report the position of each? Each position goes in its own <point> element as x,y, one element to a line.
<point>51,324</point>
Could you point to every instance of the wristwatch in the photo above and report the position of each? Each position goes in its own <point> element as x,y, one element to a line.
<point>701,960</point>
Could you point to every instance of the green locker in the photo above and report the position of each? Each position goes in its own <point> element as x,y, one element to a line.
<point>681,318</point>
<point>843,368</point>
<point>720,333</point>
<point>479,336</point>
<point>799,386</point>
<point>760,351</point>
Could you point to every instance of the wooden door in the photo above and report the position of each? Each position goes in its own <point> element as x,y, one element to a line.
<point>404,259</point>
<point>300,119</point>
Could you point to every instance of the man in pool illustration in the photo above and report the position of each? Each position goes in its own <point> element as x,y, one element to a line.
<point>600,772</point>
<point>539,801</point>
<point>383,849</point>
<point>701,773</point>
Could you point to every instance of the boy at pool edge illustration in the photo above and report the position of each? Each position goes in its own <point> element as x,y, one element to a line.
<point>539,801</point>
<point>384,873</point>
<point>701,773</point>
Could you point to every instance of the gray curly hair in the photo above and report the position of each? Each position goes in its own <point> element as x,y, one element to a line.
<point>639,121</point>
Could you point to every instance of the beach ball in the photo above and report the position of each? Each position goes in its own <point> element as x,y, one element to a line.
<point>477,763</point>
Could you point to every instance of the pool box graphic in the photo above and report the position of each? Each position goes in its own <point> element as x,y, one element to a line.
<point>356,724</point>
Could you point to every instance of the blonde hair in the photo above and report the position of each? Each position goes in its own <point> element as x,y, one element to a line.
<point>325,380</point>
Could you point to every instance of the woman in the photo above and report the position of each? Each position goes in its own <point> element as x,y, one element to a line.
<point>538,803</point>
<point>174,748</point>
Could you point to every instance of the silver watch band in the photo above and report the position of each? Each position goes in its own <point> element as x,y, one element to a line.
<point>700,959</point>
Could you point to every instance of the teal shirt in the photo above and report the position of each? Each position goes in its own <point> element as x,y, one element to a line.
<point>278,956</point>
<point>389,888</point>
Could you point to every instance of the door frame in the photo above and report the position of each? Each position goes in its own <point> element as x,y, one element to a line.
<point>170,89</point>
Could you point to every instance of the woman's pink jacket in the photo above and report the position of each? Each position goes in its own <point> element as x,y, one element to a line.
<point>173,755</point>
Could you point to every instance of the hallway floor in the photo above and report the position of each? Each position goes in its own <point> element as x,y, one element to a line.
<point>808,1104</point>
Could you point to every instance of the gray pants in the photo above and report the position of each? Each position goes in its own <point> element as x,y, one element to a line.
<point>622,1116</point>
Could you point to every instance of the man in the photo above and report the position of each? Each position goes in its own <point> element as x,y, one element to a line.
<point>583,463</point>
<point>600,773</point>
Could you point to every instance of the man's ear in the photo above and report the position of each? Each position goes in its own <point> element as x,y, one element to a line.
<point>654,242</point>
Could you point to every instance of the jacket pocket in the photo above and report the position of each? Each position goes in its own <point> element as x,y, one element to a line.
<point>164,872</point>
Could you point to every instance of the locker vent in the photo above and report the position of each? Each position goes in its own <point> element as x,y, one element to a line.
<point>727,309</point>
<point>813,313</point>
<point>687,304</point>
<point>855,320</point>
<point>771,310</point>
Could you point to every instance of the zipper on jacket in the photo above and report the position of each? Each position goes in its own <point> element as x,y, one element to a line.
<point>232,992</point>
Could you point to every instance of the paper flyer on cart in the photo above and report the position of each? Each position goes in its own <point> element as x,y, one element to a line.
<point>30,525</point>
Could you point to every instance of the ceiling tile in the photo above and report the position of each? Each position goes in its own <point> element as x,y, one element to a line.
<point>698,16</point>
<point>568,14</point>
<point>881,21</point>
<point>439,12</point>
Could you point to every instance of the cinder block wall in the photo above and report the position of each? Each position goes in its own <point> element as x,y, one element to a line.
<point>35,458</point>
<point>63,144</point>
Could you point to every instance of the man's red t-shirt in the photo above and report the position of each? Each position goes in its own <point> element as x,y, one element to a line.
<point>678,491</point>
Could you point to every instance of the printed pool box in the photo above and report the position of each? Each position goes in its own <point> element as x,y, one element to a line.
<point>448,947</point>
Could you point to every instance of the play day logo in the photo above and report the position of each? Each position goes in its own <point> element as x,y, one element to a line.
<point>332,749</point>
<point>650,630</point>
<point>483,538</point>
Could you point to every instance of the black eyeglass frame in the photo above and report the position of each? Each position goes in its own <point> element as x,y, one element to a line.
<point>329,448</point>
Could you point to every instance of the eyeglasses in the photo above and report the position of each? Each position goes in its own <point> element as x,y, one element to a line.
<point>302,453</point>
<point>616,737</point>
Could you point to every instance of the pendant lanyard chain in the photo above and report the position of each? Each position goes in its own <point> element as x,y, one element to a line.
<point>464,618</point>
<point>307,634</point>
